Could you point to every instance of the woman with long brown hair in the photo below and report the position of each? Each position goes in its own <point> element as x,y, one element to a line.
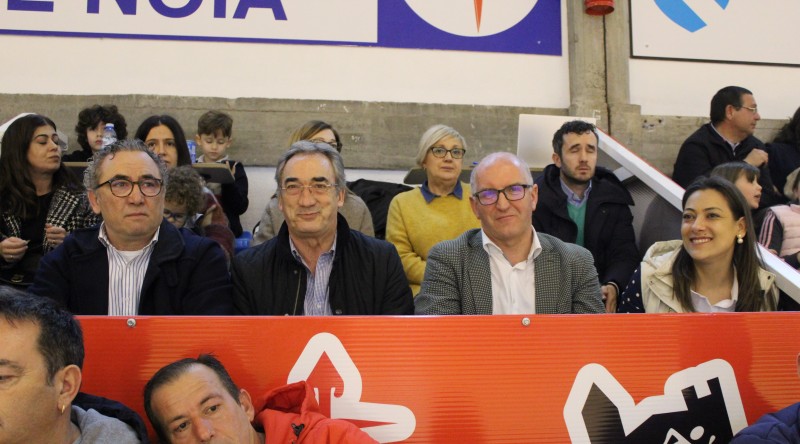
<point>40,200</point>
<point>715,267</point>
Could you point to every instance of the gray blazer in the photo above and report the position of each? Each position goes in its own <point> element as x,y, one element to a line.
<point>458,278</point>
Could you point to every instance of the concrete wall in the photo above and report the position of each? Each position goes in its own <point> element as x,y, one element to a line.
<point>661,136</point>
<point>654,105</point>
<point>377,135</point>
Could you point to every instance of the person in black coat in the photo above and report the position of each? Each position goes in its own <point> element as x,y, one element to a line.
<point>587,205</point>
<point>784,153</point>
<point>135,262</point>
<point>317,265</point>
<point>728,137</point>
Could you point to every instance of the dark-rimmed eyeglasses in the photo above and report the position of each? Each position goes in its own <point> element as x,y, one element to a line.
<point>334,144</point>
<point>441,152</point>
<point>317,189</point>
<point>752,109</point>
<point>149,187</point>
<point>179,218</point>
<point>512,192</point>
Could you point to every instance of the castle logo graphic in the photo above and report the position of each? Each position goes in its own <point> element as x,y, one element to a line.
<point>700,404</point>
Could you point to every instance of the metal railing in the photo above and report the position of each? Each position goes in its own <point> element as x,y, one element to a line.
<point>787,278</point>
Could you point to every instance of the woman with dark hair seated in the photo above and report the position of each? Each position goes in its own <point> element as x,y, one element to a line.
<point>165,137</point>
<point>715,267</point>
<point>40,200</point>
<point>91,123</point>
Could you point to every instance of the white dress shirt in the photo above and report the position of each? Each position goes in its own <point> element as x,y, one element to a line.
<point>702,305</point>
<point>513,286</point>
<point>126,270</point>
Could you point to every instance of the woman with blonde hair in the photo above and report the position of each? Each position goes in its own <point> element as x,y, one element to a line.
<point>354,210</point>
<point>436,211</point>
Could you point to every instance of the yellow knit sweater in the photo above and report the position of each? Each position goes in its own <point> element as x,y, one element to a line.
<point>415,226</point>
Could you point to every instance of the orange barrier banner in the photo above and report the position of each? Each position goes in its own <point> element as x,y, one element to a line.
<point>546,378</point>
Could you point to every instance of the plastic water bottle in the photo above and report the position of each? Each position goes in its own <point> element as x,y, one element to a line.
<point>192,150</point>
<point>109,135</point>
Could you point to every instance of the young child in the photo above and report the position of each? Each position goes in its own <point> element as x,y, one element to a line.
<point>214,131</point>
<point>185,199</point>
<point>780,232</point>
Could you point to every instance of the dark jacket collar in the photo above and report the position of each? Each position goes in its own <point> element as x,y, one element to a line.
<point>342,238</point>
<point>169,246</point>
<point>606,187</point>
<point>748,143</point>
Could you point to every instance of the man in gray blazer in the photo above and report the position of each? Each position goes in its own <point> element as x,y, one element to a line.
<point>506,267</point>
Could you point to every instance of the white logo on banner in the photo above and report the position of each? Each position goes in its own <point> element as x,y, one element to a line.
<point>701,402</point>
<point>472,18</point>
<point>349,405</point>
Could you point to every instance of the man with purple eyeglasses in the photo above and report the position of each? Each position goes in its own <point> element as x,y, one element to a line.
<point>506,267</point>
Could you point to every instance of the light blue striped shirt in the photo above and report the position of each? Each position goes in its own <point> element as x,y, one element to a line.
<point>572,198</point>
<point>733,145</point>
<point>126,270</point>
<point>317,301</point>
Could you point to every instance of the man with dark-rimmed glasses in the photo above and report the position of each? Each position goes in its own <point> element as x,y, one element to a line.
<point>506,267</point>
<point>135,262</point>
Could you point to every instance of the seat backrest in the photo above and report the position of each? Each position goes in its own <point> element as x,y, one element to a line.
<point>662,221</point>
<point>377,195</point>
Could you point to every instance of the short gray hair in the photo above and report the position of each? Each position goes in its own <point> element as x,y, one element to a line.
<point>306,147</point>
<point>433,135</point>
<point>521,164</point>
<point>91,177</point>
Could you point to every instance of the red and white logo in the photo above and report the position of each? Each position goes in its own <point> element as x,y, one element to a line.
<point>325,355</point>
<point>474,18</point>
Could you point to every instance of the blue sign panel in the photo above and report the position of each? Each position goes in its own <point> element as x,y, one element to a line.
<point>515,26</point>
<point>527,27</point>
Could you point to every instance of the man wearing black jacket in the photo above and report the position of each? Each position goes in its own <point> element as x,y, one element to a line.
<point>317,265</point>
<point>587,205</point>
<point>135,262</point>
<point>727,138</point>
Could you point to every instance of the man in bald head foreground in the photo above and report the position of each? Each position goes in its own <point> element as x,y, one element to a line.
<point>506,267</point>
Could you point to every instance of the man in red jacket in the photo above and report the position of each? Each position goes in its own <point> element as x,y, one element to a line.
<point>195,400</point>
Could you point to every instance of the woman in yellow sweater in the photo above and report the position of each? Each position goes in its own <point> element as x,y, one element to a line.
<point>438,210</point>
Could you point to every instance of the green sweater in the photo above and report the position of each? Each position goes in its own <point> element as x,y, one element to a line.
<point>414,227</point>
<point>578,215</point>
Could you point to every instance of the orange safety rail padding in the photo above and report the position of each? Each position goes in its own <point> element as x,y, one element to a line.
<point>545,378</point>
